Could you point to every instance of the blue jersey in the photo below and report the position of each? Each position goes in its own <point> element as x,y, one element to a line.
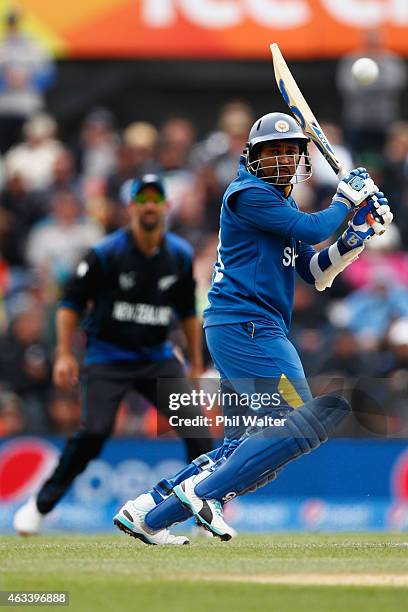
<point>263,240</point>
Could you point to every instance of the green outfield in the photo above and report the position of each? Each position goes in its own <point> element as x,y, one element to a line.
<point>273,572</point>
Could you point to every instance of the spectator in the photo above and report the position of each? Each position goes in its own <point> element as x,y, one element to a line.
<point>126,169</point>
<point>369,311</point>
<point>142,139</point>
<point>345,358</point>
<point>55,246</point>
<point>185,192</point>
<point>26,72</point>
<point>2,173</point>
<point>176,139</point>
<point>12,420</point>
<point>397,339</point>
<point>109,214</point>
<point>383,256</point>
<point>135,157</point>
<point>98,145</point>
<point>34,159</point>
<point>396,170</point>
<point>25,361</point>
<point>310,328</point>
<point>64,412</point>
<point>19,211</point>
<point>217,157</point>
<point>64,177</point>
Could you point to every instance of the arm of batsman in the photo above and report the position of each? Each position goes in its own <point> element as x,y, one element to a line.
<point>328,264</point>
<point>355,187</point>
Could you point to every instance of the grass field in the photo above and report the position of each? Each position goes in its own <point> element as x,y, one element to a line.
<point>286,573</point>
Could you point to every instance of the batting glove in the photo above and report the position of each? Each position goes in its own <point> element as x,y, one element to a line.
<point>382,211</point>
<point>355,187</point>
<point>359,230</point>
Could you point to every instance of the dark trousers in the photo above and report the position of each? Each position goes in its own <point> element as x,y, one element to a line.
<point>102,388</point>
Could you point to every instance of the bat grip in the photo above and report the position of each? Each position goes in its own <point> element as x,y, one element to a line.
<point>376,225</point>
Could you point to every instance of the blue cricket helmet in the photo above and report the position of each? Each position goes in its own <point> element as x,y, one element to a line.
<point>275,126</point>
<point>271,127</point>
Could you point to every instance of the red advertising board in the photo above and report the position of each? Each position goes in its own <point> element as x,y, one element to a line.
<point>214,28</point>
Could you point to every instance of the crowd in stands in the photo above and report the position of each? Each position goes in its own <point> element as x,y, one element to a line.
<point>59,196</point>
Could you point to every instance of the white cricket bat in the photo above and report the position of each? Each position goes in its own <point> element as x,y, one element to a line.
<point>307,121</point>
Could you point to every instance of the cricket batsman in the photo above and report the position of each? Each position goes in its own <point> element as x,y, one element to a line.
<point>264,241</point>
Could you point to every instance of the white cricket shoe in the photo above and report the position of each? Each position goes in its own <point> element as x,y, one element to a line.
<point>130,519</point>
<point>198,531</point>
<point>28,519</point>
<point>207,512</point>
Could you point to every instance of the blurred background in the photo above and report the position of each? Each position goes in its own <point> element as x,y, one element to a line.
<point>94,94</point>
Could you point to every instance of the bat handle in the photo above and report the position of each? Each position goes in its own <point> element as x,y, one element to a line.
<point>341,172</point>
<point>378,227</point>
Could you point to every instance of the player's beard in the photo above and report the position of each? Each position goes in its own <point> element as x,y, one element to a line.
<point>149,224</point>
<point>277,174</point>
<point>281,179</point>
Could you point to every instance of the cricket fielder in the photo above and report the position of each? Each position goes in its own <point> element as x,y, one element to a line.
<point>264,241</point>
<point>131,286</point>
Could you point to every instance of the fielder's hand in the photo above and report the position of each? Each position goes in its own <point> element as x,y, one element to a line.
<point>359,230</point>
<point>355,187</point>
<point>66,371</point>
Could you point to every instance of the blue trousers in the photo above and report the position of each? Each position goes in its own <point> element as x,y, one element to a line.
<point>254,359</point>
<point>257,361</point>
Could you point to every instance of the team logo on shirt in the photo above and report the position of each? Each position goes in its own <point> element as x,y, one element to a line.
<point>165,282</point>
<point>127,280</point>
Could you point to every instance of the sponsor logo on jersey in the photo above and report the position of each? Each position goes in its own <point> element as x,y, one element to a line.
<point>289,257</point>
<point>127,280</point>
<point>282,126</point>
<point>144,314</point>
<point>166,282</point>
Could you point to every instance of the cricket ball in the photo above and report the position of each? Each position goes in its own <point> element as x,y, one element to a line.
<point>365,70</point>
